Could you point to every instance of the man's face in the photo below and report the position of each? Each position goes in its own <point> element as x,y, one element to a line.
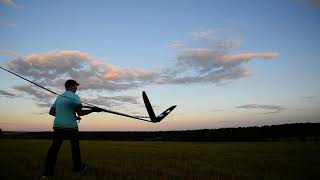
<point>73,87</point>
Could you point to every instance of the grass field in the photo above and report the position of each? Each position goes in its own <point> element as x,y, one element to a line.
<point>166,160</point>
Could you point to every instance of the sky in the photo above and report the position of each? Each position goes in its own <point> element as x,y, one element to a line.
<point>223,63</point>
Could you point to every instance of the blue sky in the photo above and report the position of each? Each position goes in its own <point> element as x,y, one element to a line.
<point>224,63</point>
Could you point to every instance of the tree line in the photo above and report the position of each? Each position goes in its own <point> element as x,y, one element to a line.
<point>284,132</point>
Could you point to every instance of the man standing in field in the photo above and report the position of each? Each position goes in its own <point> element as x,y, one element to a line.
<point>65,126</point>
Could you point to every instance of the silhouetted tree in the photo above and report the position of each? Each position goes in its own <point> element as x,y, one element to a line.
<point>284,132</point>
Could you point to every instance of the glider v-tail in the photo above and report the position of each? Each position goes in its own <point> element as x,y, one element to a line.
<point>152,117</point>
<point>149,108</point>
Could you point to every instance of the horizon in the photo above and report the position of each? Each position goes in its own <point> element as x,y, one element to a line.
<point>224,64</point>
<point>173,130</point>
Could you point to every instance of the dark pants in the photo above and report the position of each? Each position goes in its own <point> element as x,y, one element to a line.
<point>58,136</point>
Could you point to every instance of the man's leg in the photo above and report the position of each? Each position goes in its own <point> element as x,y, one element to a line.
<point>75,148</point>
<point>53,154</point>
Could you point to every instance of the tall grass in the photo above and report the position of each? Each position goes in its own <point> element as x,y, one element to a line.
<point>166,160</point>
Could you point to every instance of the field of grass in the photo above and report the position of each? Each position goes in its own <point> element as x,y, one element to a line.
<point>166,160</point>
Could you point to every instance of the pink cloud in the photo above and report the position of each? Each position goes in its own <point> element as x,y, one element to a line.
<point>247,56</point>
<point>207,59</point>
<point>55,67</point>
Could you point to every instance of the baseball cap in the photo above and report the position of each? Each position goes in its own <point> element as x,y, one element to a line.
<point>70,82</point>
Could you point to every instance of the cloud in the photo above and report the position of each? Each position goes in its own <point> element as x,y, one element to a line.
<point>228,43</point>
<point>30,89</point>
<point>216,39</point>
<point>248,56</point>
<point>11,25</point>
<point>10,3</point>
<point>53,68</point>
<point>269,108</point>
<point>8,94</point>
<point>42,98</point>
<point>8,52</point>
<point>204,35</point>
<point>207,59</point>
<point>126,99</point>
<point>215,77</point>
<point>193,65</point>
<point>176,45</point>
<point>200,65</point>
<point>45,99</point>
<point>111,101</point>
<point>214,62</point>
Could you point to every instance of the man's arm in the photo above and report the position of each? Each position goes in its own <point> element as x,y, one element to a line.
<point>81,112</point>
<point>52,111</point>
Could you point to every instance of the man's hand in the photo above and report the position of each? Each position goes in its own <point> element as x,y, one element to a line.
<point>52,111</point>
<point>78,118</point>
<point>96,109</point>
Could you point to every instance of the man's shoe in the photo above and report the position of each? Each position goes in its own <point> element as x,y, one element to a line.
<point>45,177</point>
